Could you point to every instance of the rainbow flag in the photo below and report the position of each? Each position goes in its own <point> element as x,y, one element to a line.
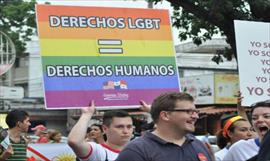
<point>115,56</point>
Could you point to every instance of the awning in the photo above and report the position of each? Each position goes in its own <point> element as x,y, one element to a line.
<point>212,110</point>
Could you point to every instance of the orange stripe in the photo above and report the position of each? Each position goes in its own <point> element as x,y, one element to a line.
<point>164,33</point>
<point>229,123</point>
<point>43,12</point>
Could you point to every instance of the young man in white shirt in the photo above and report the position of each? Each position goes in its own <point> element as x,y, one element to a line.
<point>118,127</point>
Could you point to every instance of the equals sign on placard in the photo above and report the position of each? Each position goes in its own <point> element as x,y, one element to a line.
<point>111,49</point>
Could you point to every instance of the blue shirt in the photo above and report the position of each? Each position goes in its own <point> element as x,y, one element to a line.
<point>152,148</point>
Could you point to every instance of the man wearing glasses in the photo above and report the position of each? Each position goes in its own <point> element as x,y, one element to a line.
<point>174,115</point>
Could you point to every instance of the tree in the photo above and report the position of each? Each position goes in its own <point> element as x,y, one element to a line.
<point>201,19</point>
<point>17,20</point>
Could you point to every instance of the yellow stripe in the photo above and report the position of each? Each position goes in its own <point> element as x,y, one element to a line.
<point>84,47</point>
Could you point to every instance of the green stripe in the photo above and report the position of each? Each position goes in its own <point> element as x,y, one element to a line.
<point>107,61</point>
<point>19,152</point>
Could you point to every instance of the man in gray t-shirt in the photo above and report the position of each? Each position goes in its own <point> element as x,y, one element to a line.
<point>174,115</point>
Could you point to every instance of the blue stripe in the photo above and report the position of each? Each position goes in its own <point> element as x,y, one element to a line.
<point>96,83</point>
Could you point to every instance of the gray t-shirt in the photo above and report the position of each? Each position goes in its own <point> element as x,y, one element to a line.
<point>152,148</point>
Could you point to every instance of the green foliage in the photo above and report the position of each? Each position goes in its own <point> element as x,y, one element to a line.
<point>17,20</point>
<point>201,19</point>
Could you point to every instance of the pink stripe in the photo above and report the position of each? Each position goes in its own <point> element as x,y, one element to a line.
<point>64,99</point>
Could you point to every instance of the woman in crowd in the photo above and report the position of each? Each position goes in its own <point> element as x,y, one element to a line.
<point>95,134</point>
<point>246,149</point>
<point>234,129</point>
<point>55,136</point>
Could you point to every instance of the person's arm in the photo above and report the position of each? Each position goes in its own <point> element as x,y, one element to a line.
<point>146,108</point>
<point>6,153</point>
<point>240,109</point>
<point>76,137</point>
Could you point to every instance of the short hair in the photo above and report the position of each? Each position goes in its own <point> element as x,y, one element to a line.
<point>15,116</point>
<point>265,103</point>
<point>109,115</point>
<point>166,102</point>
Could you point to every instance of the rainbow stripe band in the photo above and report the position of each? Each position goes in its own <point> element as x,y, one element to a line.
<point>111,55</point>
<point>229,123</point>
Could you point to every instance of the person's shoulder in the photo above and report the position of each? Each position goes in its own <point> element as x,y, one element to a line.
<point>224,150</point>
<point>193,139</point>
<point>220,154</point>
<point>135,150</point>
<point>138,141</point>
<point>190,135</point>
<point>196,143</point>
<point>94,144</point>
<point>243,142</point>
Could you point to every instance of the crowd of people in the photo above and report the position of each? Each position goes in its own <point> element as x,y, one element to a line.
<point>174,116</point>
<point>167,137</point>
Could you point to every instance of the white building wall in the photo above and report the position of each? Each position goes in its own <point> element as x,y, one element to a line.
<point>35,85</point>
<point>196,60</point>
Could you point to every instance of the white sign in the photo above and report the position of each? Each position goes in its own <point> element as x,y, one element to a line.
<point>253,51</point>
<point>11,92</point>
<point>35,86</point>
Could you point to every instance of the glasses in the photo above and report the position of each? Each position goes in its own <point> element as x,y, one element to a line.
<point>188,111</point>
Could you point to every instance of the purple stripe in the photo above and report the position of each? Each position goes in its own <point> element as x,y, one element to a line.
<point>73,99</point>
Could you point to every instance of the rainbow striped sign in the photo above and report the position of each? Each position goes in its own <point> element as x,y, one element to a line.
<point>115,56</point>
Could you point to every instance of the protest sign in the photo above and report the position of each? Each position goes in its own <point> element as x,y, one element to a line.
<point>253,52</point>
<point>115,56</point>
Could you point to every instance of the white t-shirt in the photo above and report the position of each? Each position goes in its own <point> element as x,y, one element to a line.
<point>221,154</point>
<point>242,150</point>
<point>101,152</point>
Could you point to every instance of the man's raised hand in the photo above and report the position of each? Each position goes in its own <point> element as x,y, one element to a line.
<point>90,109</point>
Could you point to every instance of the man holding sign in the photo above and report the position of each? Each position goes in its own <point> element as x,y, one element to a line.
<point>117,126</point>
